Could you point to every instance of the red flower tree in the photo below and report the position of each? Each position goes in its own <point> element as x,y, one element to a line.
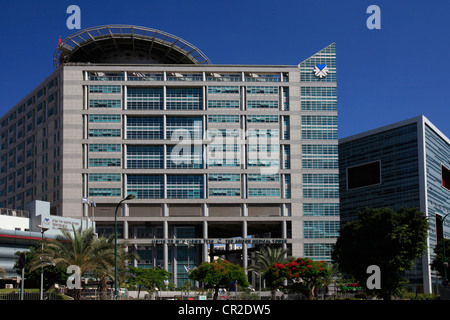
<point>303,275</point>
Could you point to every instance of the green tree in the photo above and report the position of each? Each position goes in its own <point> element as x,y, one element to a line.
<point>93,255</point>
<point>219,274</point>
<point>265,258</point>
<point>150,279</point>
<point>391,240</point>
<point>438,263</point>
<point>52,273</point>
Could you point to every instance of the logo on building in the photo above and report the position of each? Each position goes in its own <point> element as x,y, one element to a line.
<point>320,70</point>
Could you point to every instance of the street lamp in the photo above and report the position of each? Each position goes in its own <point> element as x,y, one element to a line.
<point>129,197</point>
<point>43,229</point>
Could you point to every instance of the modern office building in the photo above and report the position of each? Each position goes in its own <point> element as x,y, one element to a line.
<point>229,156</point>
<point>406,164</point>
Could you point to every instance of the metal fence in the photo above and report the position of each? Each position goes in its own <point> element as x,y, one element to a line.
<point>16,295</point>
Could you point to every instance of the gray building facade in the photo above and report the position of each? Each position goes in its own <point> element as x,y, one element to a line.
<point>221,158</point>
<point>405,164</point>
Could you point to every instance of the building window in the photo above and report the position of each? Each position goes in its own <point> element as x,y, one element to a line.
<point>104,133</point>
<point>318,251</point>
<point>445,177</point>
<point>145,157</point>
<point>224,192</point>
<point>100,147</point>
<point>262,119</point>
<point>262,104</point>
<point>365,175</point>
<point>102,76</point>
<point>104,162</point>
<point>104,192</point>
<point>184,99</point>
<point>184,127</point>
<point>321,229</point>
<point>184,156</point>
<point>104,89</point>
<point>146,186</point>
<point>144,128</point>
<point>104,177</point>
<point>104,104</point>
<point>264,192</point>
<point>104,118</point>
<point>223,118</point>
<point>263,90</point>
<point>185,186</point>
<point>321,209</point>
<point>222,104</point>
<point>144,98</point>
<point>223,89</point>
<point>224,177</point>
<point>263,177</point>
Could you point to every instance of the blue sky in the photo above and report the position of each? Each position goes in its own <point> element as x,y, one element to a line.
<point>384,76</point>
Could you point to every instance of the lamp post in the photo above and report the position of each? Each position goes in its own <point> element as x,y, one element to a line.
<point>259,275</point>
<point>129,197</point>
<point>43,229</point>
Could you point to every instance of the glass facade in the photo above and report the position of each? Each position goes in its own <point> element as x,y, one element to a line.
<point>319,154</point>
<point>397,151</point>
<point>437,151</point>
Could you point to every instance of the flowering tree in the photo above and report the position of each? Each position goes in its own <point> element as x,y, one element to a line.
<point>218,274</point>
<point>303,275</point>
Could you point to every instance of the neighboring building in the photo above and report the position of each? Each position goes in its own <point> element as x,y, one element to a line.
<point>406,164</point>
<point>22,229</point>
<point>230,155</point>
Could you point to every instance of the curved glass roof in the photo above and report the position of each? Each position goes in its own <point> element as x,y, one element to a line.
<point>126,44</point>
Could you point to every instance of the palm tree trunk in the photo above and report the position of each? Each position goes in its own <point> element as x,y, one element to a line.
<point>102,288</point>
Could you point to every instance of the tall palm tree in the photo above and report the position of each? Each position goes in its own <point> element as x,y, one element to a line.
<point>81,248</point>
<point>267,257</point>
<point>105,253</point>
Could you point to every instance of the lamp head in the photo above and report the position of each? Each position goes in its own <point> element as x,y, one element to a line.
<point>130,196</point>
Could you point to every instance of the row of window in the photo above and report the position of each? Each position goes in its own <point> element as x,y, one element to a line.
<point>176,76</point>
<point>189,161</point>
<point>157,92</point>
<point>181,103</point>
<point>116,118</point>
<point>311,125</point>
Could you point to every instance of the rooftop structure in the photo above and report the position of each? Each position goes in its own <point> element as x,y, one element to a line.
<point>126,44</point>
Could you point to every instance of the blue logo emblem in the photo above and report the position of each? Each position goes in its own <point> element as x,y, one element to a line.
<point>320,70</point>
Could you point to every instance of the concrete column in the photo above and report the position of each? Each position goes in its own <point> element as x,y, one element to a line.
<point>125,230</point>
<point>166,246</point>
<point>244,246</point>
<point>205,246</point>
<point>284,232</point>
